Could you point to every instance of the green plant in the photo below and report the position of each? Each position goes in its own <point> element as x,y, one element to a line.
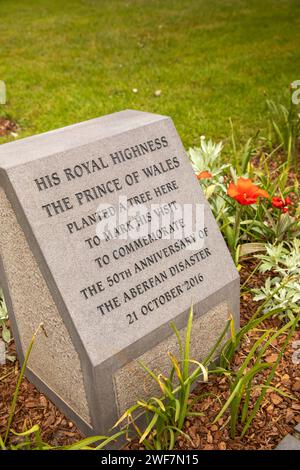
<point>284,123</point>
<point>31,439</point>
<point>287,299</point>
<point>243,379</point>
<point>206,158</point>
<point>262,222</point>
<point>277,227</point>
<point>206,162</point>
<point>284,260</point>
<point>240,155</point>
<point>247,224</point>
<point>165,416</point>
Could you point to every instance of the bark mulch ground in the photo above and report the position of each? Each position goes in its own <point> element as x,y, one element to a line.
<point>276,418</point>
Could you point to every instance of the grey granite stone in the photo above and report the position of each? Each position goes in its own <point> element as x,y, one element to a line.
<point>54,357</point>
<point>289,443</point>
<point>107,302</point>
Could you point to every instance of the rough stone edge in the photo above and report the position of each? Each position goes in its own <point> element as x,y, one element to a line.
<point>82,425</point>
<point>5,283</point>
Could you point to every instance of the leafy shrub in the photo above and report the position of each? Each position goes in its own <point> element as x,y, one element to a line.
<point>249,213</point>
<point>283,290</point>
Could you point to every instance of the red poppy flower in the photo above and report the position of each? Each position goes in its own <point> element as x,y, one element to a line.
<point>245,192</point>
<point>287,201</point>
<point>204,175</point>
<point>281,203</point>
<point>278,202</point>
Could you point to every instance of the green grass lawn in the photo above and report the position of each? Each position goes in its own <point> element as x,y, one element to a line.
<point>68,61</point>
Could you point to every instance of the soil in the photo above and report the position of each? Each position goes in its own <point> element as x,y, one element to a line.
<point>276,418</point>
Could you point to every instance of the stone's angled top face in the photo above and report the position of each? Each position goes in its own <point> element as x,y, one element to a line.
<point>59,140</point>
<point>66,186</point>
